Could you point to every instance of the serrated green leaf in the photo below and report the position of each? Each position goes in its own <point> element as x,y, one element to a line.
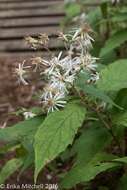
<point>113,77</point>
<point>56,133</point>
<point>114,41</point>
<point>10,167</point>
<point>21,130</point>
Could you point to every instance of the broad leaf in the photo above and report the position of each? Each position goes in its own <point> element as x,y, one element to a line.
<point>113,77</point>
<point>21,130</point>
<point>10,167</point>
<point>85,172</point>
<point>92,141</point>
<point>114,41</point>
<point>92,90</point>
<point>56,133</point>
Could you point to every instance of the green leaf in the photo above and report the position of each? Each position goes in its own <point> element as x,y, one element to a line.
<point>120,119</point>
<point>114,41</point>
<point>92,90</point>
<point>120,17</point>
<point>21,130</point>
<point>92,141</point>
<point>10,147</point>
<point>109,58</point>
<point>122,160</point>
<point>94,17</point>
<point>123,183</point>
<point>56,133</point>
<point>121,99</point>
<point>113,77</point>
<point>85,172</point>
<point>89,149</point>
<point>10,167</point>
<point>72,10</point>
<point>28,161</point>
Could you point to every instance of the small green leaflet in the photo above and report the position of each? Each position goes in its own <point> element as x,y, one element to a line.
<point>10,167</point>
<point>114,41</point>
<point>56,133</point>
<point>113,77</point>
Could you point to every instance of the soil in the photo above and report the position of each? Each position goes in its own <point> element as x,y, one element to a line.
<point>12,97</point>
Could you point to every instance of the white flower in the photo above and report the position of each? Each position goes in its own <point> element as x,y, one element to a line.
<point>52,64</point>
<point>21,72</point>
<point>61,71</point>
<point>63,36</point>
<point>81,38</point>
<point>70,64</point>
<point>54,102</point>
<point>88,62</point>
<point>29,115</point>
<point>63,78</point>
<point>53,88</point>
<point>37,61</point>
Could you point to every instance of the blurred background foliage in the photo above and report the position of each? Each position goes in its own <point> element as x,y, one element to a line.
<point>108,20</point>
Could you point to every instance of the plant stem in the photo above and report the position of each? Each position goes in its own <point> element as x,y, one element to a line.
<point>109,127</point>
<point>105,123</point>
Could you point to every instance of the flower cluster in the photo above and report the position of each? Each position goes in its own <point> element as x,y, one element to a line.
<point>61,71</point>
